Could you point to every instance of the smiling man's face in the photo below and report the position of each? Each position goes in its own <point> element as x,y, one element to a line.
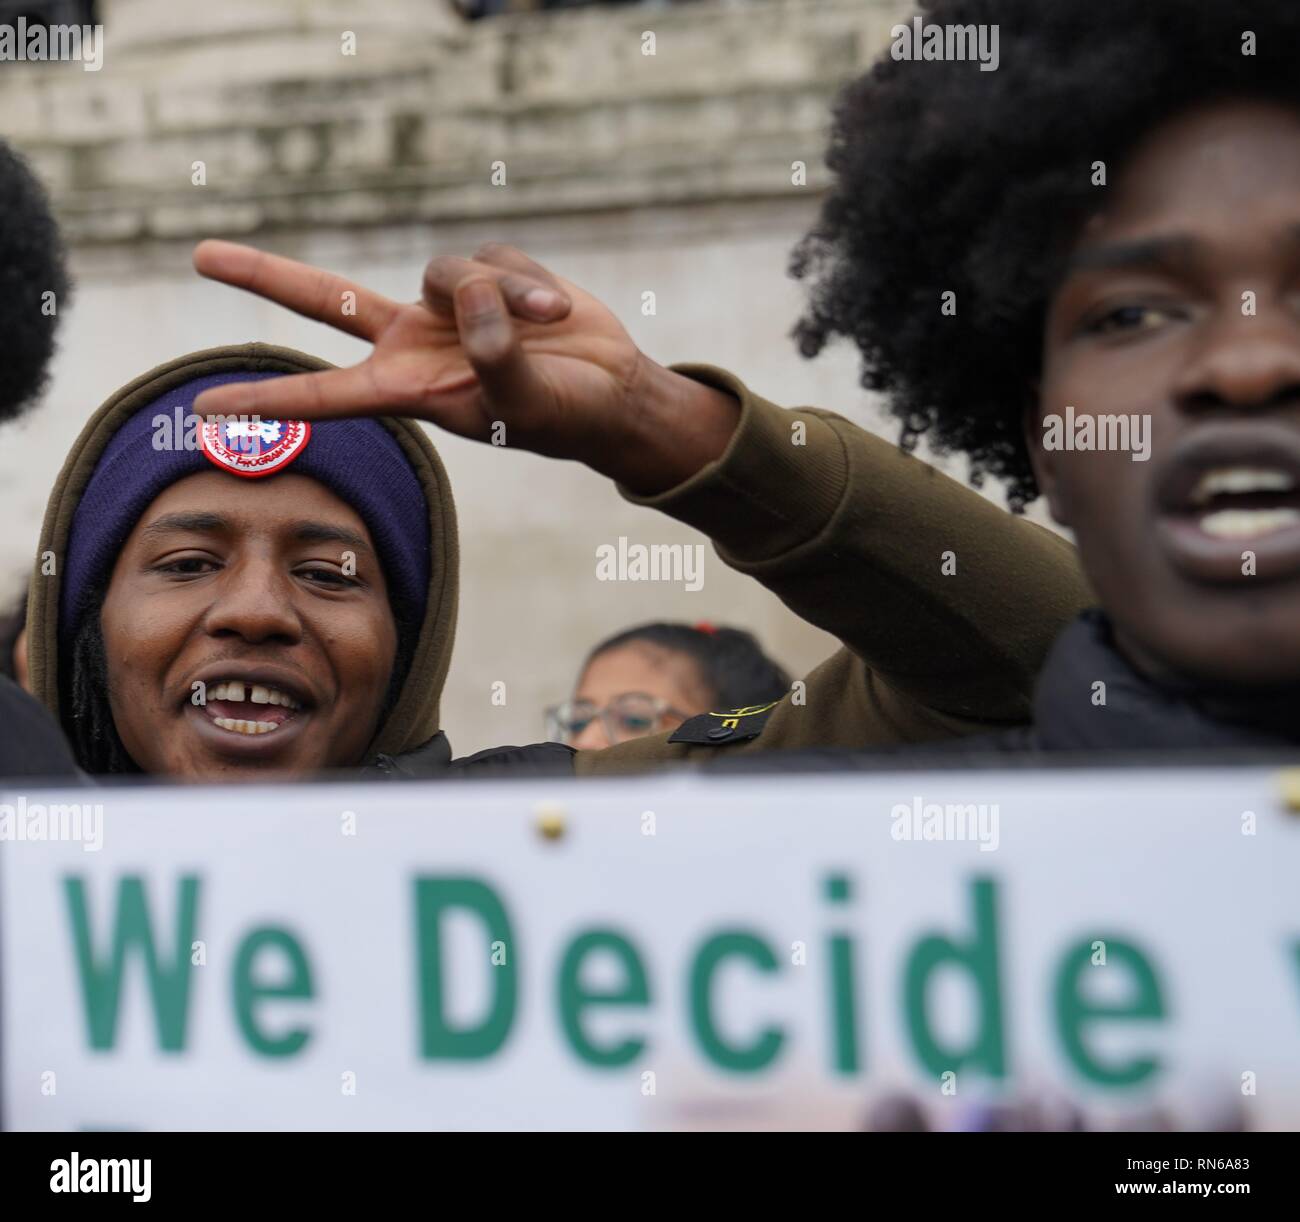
<point>243,586</point>
<point>1195,554</point>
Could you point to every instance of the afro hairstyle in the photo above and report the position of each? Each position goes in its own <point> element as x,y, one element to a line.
<point>948,178</point>
<point>31,265</point>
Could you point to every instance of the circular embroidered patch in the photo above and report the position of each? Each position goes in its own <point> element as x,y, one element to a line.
<point>253,448</point>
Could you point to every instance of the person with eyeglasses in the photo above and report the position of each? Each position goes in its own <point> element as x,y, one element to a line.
<point>650,679</point>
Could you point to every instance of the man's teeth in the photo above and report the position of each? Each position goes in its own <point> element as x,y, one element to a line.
<point>240,726</point>
<point>1248,523</point>
<point>1234,480</point>
<point>238,690</point>
<point>1245,522</point>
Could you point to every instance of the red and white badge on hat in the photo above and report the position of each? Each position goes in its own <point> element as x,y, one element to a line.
<point>253,447</point>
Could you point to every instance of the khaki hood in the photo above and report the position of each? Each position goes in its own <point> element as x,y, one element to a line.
<point>414,717</point>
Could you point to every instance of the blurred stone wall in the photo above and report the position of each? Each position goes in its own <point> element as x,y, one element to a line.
<point>321,112</point>
<point>625,173</point>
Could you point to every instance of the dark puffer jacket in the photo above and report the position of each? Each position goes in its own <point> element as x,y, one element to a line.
<point>1090,701</point>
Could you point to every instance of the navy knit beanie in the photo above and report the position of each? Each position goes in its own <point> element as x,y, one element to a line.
<point>360,461</point>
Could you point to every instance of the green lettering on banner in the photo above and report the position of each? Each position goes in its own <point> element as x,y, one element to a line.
<point>101,986</point>
<point>438,1039</point>
<point>765,1046</point>
<point>844,1007</point>
<point>1074,1012</point>
<point>574,996</point>
<point>249,992</point>
<point>979,959</point>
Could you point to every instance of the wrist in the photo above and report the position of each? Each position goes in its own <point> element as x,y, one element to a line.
<point>675,427</point>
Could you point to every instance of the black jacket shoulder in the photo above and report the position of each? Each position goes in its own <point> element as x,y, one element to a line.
<point>31,743</point>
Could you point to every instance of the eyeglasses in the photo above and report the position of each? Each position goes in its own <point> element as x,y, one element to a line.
<point>630,715</point>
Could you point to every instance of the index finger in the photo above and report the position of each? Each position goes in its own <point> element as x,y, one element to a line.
<point>322,395</point>
<point>304,289</point>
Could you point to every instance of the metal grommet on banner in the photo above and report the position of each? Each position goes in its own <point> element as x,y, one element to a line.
<point>550,820</point>
<point>1289,783</point>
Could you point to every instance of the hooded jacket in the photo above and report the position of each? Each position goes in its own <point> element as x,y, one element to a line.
<point>409,741</point>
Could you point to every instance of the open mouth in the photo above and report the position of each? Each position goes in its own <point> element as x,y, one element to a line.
<point>1229,502</point>
<point>1245,502</point>
<point>252,714</point>
<point>242,707</point>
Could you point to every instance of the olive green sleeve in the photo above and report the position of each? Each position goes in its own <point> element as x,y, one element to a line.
<point>947,604</point>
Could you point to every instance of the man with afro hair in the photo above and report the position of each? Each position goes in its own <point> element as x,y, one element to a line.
<point>33,288</point>
<point>1115,213</point>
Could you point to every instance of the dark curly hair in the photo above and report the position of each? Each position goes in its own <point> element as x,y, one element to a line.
<point>949,178</point>
<point>31,265</point>
<point>729,661</point>
<point>87,714</point>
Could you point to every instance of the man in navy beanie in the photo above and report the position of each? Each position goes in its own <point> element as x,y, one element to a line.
<point>243,598</point>
<point>33,288</point>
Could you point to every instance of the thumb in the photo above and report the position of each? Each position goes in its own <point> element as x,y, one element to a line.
<point>512,390</point>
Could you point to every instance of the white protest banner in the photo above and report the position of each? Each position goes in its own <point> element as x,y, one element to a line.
<point>679,952</point>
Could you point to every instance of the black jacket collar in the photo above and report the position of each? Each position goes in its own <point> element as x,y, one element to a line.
<point>1139,714</point>
<point>433,759</point>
